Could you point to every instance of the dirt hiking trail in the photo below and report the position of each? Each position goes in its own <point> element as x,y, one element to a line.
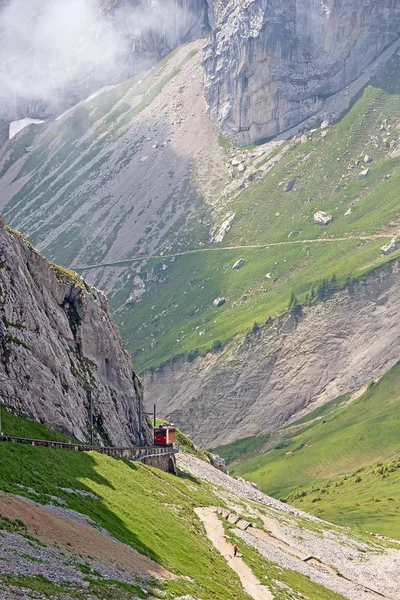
<point>215,533</point>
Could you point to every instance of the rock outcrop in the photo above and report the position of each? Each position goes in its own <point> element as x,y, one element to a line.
<point>270,64</point>
<point>60,351</point>
<point>298,362</point>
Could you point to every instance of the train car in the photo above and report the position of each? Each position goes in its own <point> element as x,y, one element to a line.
<point>164,435</point>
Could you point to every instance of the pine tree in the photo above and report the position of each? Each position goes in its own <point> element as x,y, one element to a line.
<point>293,302</point>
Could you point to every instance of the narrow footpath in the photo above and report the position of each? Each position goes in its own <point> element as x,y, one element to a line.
<point>126,261</point>
<point>215,533</point>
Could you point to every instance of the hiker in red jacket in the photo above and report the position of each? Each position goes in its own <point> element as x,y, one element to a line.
<point>235,549</point>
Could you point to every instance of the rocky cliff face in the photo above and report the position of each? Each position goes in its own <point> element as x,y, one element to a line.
<point>334,348</point>
<point>272,64</point>
<point>60,347</point>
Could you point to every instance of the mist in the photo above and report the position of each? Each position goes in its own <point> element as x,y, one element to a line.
<point>52,50</point>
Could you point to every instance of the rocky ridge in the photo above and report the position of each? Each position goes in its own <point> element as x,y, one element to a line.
<point>298,362</point>
<point>60,351</point>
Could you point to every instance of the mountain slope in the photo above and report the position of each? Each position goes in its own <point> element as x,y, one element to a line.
<point>332,454</point>
<point>89,189</point>
<point>78,520</point>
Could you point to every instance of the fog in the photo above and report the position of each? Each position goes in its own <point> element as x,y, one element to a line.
<point>53,49</point>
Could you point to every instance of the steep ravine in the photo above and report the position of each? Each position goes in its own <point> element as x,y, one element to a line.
<point>58,346</point>
<point>260,383</point>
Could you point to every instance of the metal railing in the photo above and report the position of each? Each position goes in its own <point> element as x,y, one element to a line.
<point>129,453</point>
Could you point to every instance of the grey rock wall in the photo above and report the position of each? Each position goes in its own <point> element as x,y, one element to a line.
<point>59,345</point>
<point>334,348</point>
<point>271,64</point>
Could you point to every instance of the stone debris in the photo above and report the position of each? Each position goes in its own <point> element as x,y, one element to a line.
<point>290,185</point>
<point>224,229</point>
<point>224,512</point>
<point>395,153</point>
<point>218,462</point>
<point>346,214</point>
<point>321,218</point>
<point>325,124</point>
<point>219,301</point>
<point>367,159</point>
<point>304,139</point>
<point>392,246</point>
<point>233,518</point>
<point>238,264</point>
<point>363,174</point>
<point>314,538</point>
<point>243,525</point>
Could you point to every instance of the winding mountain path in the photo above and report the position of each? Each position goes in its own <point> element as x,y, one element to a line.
<point>215,533</point>
<point>230,248</point>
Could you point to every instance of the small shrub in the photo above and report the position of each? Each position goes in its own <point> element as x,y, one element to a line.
<point>192,355</point>
<point>217,346</point>
<point>282,444</point>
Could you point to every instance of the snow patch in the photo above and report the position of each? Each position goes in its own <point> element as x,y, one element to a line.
<point>17,126</point>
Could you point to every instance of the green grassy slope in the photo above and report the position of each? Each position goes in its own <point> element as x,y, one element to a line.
<point>368,498</point>
<point>176,315</point>
<point>138,505</point>
<point>334,441</point>
<point>327,180</point>
<point>15,425</point>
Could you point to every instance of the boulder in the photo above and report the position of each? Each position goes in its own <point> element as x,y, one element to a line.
<point>363,174</point>
<point>324,124</point>
<point>289,186</point>
<point>393,245</point>
<point>321,218</point>
<point>243,525</point>
<point>367,159</point>
<point>346,214</point>
<point>224,229</point>
<point>218,462</point>
<point>304,139</point>
<point>395,153</point>
<point>238,264</point>
<point>233,519</point>
<point>219,301</point>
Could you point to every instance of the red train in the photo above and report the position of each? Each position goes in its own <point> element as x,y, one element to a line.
<point>164,435</point>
